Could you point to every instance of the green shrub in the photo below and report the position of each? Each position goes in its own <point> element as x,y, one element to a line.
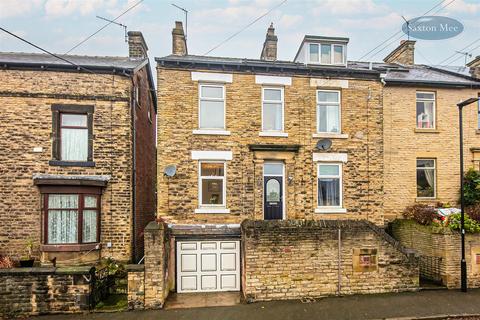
<point>471,226</point>
<point>471,187</point>
<point>421,213</point>
<point>474,212</point>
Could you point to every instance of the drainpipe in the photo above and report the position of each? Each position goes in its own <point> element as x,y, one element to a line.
<point>134,168</point>
<point>339,288</point>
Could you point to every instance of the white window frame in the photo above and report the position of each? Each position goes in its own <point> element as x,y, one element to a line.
<point>200,99</point>
<point>332,59</point>
<point>330,103</point>
<point>434,177</point>
<point>282,93</point>
<point>434,109</point>
<point>201,178</point>
<point>339,176</point>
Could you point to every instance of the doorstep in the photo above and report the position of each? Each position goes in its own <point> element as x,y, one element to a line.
<point>204,299</point>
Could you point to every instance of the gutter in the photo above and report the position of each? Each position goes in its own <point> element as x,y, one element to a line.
<point>432,83</point>
<point>66,67</point>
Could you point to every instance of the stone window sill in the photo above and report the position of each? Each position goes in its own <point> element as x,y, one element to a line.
<point>212,210</point>
<point>61,163</point>
<point>273,134</point>
<point>426,199</point>
<point>330,135</point>
<point>330,210</point>
<point>70,247</point>
<point>427,131</point>
<point>212,132</point>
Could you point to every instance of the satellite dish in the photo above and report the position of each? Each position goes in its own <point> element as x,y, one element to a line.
<point>324,144</point>
<point>170,170</point>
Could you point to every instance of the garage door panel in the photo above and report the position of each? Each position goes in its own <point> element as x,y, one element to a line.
<point>228,281</point>
<point>209,282</point>
<point>189,283</point>
<point>209,261</point>
<point>209,265</point>
<point>188,263</point>
<point>228,261</point>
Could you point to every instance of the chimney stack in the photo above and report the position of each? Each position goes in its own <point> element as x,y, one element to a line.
<point>269,51</point>
<point>179,43</point>
<point>474,66</point>
<point>137,48</point>
<point>404,54</point>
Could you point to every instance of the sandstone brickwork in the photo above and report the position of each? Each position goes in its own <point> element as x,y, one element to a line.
<point>362,121</point>
<point>294,260</point>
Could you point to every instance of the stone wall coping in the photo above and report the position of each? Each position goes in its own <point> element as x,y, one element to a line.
<point>427,229</point>
<point>47,270</point>
<point>135,267</point>
<point>153,226</point>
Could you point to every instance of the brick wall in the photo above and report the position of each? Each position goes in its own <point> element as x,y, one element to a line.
<point>33,291</point>
<point>297,259</point>
<point>404,144</point>
<point>26,98</point>
<point>361,120</point>
<point>442,243</point>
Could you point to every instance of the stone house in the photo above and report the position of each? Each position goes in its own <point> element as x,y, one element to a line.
<point>264,139</point>
<point>421,130</point>
<point>77,156</point>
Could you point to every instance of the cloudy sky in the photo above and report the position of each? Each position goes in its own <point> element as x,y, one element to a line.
<point>58,25</point>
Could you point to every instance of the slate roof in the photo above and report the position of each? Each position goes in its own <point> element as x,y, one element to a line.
<point>394,73</point>
<point>96,63</point>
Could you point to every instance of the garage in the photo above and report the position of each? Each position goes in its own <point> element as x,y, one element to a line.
<point>207,266</point>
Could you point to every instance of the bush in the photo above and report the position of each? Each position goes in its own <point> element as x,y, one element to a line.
<point>471,226</point>
<point>471,187</point>
<point>421,213</point>
<point>474,212</point>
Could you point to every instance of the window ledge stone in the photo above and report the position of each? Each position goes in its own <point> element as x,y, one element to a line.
<point>212,210</point>
<point>273,134</point>
<point>330,210</point>
<point>70,247</point>
<point>418,199</point>
<point>211,132</point>
<point>330,135</point>
<point>61,163</point>
<point>417,130</point>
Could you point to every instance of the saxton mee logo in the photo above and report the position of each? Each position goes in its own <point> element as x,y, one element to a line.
<point>432,28</point>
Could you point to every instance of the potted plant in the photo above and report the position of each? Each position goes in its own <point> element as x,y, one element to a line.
<point>28,260</point>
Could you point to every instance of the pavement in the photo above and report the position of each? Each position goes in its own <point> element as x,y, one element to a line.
<point>430,304</point>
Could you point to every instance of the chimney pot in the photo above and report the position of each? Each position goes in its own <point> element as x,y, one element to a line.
<point>269,51</point>
<point>179,43</point>
<point>137,47</point>
<point>474,66</point>
<point>403,54</point>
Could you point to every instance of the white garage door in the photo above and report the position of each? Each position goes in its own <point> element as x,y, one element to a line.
<point>204,266</point>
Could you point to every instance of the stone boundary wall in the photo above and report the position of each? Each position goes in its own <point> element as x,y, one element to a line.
<point>35,291</point>
<point>443,244</point>
<point>149,284</point>
<point>304,259</point>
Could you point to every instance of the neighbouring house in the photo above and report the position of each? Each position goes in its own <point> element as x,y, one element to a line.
<point>421,130</point>
<point>246,143</point>
<point>77,155</point>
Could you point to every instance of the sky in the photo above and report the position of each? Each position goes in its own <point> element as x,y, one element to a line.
<point>58,25</point>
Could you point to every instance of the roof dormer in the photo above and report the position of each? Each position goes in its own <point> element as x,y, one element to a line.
<point>320,50</point>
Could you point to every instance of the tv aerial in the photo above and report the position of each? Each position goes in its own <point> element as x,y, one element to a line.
<point>170,170</point>
<point>118,24</point>
<point>324,144</point>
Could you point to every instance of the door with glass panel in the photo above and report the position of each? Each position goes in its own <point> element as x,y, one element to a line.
<point>273,190</point>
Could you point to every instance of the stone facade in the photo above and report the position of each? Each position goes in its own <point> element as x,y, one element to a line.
<point>310,259</point>
<point>27,96</point>
<point>404,144</point>
<point>361,140</point>
<point>135,286</point>
<point>34,291</point>
<point>404,54</point>
<point>442,247</point>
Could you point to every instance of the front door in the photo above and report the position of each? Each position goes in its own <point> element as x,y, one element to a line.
<point>273,173</point>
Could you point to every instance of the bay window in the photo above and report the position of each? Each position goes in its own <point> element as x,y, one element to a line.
<point>425,110</point>
<point>211,106</point>
<point>212,184</point>
<point>328,111</point>
<point>272,109</point>
<point>71,218</point>
<point>329,185</point>
<point>426,175</point>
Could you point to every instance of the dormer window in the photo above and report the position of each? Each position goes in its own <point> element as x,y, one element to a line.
<point>327,53</point>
